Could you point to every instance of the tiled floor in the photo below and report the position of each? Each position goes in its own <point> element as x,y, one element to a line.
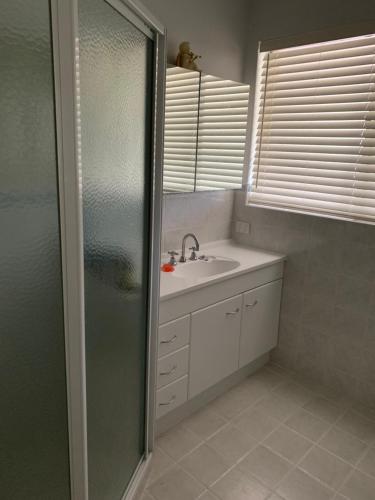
<point>272,438</point>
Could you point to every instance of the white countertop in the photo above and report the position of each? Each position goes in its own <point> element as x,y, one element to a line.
<point>250,259</point>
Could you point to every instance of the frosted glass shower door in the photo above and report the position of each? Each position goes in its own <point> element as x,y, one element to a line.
<point>116,66</point>
<point>34,456</point>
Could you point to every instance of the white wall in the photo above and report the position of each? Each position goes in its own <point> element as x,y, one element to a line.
<point>327,326</point>
<point>280,18</point>
<point>217,30</point>
<point>208,215</point>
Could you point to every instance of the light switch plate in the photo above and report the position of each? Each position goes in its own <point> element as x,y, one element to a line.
<point>242,227</point>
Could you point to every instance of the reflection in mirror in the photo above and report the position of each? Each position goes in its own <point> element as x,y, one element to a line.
<point>205,132</point>
<point>181,127</point>
<point>222,128</point>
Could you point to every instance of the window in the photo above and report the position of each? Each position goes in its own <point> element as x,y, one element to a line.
<point>314,129</point>
<point>206,121</point>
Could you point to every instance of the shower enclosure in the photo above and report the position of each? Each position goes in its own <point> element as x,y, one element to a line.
<point>81,100</point>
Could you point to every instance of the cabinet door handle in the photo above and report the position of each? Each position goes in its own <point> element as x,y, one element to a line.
<point>170,341</point>
<point>173,369</point>
<point>173,398</point>
<point>253,304</point>
<point>232,313</point>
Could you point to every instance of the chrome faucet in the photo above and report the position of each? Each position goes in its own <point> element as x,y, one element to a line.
<point>194,249</point>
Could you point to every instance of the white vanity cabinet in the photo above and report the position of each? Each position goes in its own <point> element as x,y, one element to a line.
<point>215,340</point>
<point>216,332</point>
<point>260,321</point>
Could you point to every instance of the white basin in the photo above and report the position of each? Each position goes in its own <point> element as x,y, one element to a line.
<point>226,260</point>
<point>202,269</point>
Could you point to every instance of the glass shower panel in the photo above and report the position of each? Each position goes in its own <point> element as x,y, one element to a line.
<point>34,460</point>
<point>116,61</point>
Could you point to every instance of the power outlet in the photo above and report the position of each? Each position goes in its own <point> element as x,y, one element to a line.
<point>242,227</point>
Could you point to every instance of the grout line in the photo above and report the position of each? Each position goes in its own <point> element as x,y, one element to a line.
<point>281,423</point>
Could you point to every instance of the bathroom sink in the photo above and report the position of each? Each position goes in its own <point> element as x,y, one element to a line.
<point>205,268</point>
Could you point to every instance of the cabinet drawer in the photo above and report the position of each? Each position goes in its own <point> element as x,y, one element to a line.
<point>171,396</point>
<point>173,335</point>
<point>173,366</point>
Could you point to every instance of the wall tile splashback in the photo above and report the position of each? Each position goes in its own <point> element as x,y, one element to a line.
<point>206,214</point>
<point>327,326</point>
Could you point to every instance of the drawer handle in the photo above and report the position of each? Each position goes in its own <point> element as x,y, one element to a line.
<point>170,341</point>
<point>173,398</point>
<point>253,304</point>
<point>232,313</point>
<point>173,369</point>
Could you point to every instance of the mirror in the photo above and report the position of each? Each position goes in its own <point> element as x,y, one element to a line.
<point>206,120</point>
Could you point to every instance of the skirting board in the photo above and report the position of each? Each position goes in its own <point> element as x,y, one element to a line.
<point>165,423</point>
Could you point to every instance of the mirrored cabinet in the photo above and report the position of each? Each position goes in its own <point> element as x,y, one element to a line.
<point>206,120</point>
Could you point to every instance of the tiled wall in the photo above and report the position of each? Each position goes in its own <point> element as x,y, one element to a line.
<point>327,329</point>
<point>207,214</point>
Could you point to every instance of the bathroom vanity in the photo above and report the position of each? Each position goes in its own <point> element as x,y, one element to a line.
<point>218,320</point>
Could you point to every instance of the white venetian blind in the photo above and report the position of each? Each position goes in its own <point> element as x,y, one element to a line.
<point>223,120</point>
<point>314,132</point>
<point>180,133</point>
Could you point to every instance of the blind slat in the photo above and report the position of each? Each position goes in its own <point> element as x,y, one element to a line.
<point>313,144</point>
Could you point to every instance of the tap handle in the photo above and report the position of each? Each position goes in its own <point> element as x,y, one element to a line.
<point>194,249</point>
<point>173,260</point>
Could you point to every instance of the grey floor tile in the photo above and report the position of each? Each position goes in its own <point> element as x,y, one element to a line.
<point>367,463</point>
<point>288,444</point>
<point>205,464</point>
<point>296,393</point>
<point>253,388</point>
<point>325,409</point>
<point>359,426</point>
<point>231,403</point>
<point>204,423</point>
<point>160,462</point>
<point>344,445</point>
<point>267,378</point>
<point>307,424</point>
<point>364,410</point>
<point>231,443</point>
<point>256,423</point>
<point>359,487</point>
<point>176,484</point>
<point>300,486</point>
<point>326,467</point>
<point>277,407</point>
<point>265,465</point>
<point>178,442</point>
<point>236,486</point>
<point>145,496</point>
<point>208,495</point>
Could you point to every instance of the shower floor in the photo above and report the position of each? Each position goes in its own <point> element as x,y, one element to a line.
<point>269,438</point>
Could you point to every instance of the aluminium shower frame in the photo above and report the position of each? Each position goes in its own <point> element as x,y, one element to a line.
<point>64,16</point>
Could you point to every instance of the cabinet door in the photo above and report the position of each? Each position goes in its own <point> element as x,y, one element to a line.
<point>260,321</point>
<point>215,335</point>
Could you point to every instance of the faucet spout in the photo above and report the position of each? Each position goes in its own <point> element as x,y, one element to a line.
<point>196,248</point>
